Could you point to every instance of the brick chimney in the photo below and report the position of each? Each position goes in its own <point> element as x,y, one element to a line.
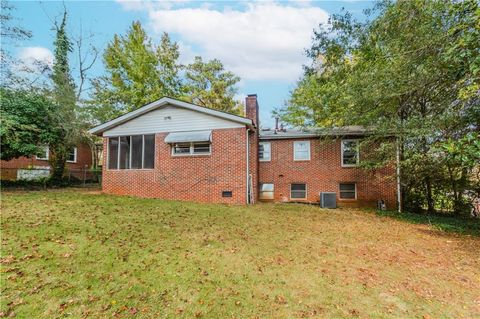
<point>251,108</point>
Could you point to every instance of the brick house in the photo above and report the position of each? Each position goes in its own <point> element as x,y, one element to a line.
<point>176,150</point>
<point>80,157</point>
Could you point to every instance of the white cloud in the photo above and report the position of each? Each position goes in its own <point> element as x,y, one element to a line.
<point>33,57</point>
<point>138,5</point>
<point>265,41</point>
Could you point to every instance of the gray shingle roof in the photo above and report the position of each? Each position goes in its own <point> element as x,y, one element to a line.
<point>270,134</point>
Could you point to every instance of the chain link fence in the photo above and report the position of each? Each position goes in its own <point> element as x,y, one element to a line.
<point>37,175</point>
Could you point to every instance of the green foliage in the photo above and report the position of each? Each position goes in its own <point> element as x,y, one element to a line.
<point>412,70</point>
<point>447,223</point>
<point>137,72</point>
<point>209,85</point>
<point>64,123</point>
<point>25,123</point>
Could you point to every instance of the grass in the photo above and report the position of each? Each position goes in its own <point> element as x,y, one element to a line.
<point>76,253</point>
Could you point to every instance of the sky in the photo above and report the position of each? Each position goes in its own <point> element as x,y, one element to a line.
<point>263,42</point>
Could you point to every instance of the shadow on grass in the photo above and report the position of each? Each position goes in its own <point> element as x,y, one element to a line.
<point>451,224</point>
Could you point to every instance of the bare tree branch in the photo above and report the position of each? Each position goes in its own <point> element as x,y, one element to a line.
<point>86,59</point>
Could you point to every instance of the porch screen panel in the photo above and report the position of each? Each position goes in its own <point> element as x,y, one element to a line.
<point>149,151</point>
<point>124,152</point>
<point>113,153</point>
<point>137,146</point>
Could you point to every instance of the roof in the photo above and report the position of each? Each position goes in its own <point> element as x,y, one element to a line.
<point>164,101</point>
<point>310,133</point>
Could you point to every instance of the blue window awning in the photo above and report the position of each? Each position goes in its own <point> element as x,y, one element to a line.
<point>187,137</point>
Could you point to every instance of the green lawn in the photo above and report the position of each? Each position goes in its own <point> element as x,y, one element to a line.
<point>76,253</point>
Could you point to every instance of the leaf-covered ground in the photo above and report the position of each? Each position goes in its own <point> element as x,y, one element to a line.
<point>74,253</point>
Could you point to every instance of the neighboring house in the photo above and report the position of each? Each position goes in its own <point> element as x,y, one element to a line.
<point>176,150</point>
<point>80,157</point>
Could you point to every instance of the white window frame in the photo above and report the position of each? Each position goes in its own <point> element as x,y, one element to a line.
<point>74,156</point>
<point>191,153</point>
<point>297,198</point>
<point>358,152</point>
<point>269,152</point>
<point>309,151</point>
<point>340,192</point>
<point>47,152</point>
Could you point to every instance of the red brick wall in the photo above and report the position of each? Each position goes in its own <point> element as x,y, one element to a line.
<point>251,112</point>
<point>323,173</point>
<point>9,168</point>
<point>190,178</point>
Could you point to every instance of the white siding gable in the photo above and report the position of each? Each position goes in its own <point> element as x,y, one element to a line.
<point>171,119</point>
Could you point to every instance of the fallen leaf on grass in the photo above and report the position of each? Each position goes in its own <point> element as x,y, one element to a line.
<point>133,311</point>
<point>280,300</point>
<point>7,260</point>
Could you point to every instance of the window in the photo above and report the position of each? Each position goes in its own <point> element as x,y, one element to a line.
<point>301,150</point>
<point>148,151</point>
<point>350,156</point>
<point>137,152</point>
<point>194,148</point>
<point>298,191</point>
<point>227,193</point>
<point>266,191</point>
<point>43,154</point>
<point>113,153</point>
<point>264,151</point>
<point>201,148</point>
<point>348,191</point>
<point>124,157</point>
<point>72,155</point>
<point>131,152</point>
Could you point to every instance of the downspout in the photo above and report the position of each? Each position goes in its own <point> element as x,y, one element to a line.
<point>399,182</point>
<point>248,168</point>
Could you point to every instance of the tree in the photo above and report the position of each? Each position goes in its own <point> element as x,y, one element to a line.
<point>137,72</point>
<point>65,123</point>
<point>209,85</point>
<point>26,123</point>
<point>420,83</point>
<point>9,32</point>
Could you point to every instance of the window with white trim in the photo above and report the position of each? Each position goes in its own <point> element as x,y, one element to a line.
<point>264,151</point>
<point>193,148</point>
<point>350,153</point>
<point>266,191</point>
<point>43,154</point>
<point>348,191</point>
<point>131,152</point>
<point>72,155</point>
<point>298,191</point>
<point>301,150</point>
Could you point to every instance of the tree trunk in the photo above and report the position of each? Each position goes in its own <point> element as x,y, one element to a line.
<point>58,162</point>
<point>429,196</point>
